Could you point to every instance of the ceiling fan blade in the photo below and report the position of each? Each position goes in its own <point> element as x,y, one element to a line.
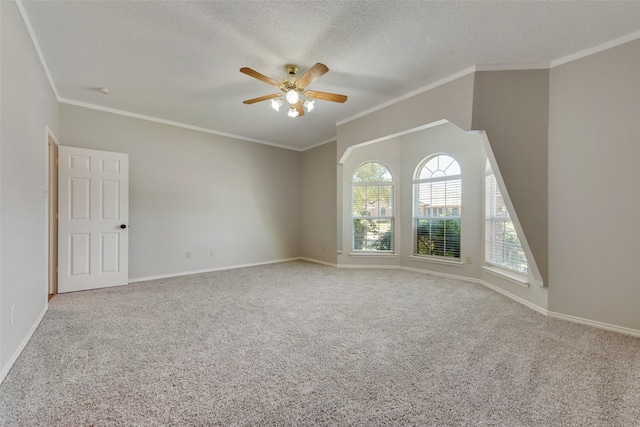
<point>259,76</point>
<point>325,96</point>
<point>312,74</point>
<point>261,98</point>
<point>299,108</point>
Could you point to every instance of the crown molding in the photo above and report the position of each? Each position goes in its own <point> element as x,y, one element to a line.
<point>411,94</point>
<point>169,122</point>
<point>595,49</point>
<point>36,45</point>
<point>513,67</point>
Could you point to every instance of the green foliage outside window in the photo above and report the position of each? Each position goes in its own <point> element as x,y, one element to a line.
<point>439,237</point>
<point>372,199</point>
<point>384,242</point>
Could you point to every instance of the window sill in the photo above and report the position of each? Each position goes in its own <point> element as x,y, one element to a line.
<point>373,254</point>
<point>512,277</point>
<point>439,260</point>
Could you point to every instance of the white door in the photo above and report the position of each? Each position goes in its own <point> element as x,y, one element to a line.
<point>93,214</point>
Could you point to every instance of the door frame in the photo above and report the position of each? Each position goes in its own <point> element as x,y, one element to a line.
<point>51,222</point>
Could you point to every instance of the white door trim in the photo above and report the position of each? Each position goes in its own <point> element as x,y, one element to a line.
<point>50,139</point>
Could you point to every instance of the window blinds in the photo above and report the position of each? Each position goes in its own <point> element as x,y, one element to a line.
<point>502,245</point>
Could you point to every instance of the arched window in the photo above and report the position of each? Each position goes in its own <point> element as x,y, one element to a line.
<point>502,246</point>
<point>437,207</point>
<point>372,208</point>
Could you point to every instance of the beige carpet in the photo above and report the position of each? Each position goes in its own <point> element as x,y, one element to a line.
<point>299,344</point>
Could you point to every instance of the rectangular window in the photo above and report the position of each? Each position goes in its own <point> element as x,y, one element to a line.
<point>502,245</point>
<point>437,213</point>
<point>372,217</point>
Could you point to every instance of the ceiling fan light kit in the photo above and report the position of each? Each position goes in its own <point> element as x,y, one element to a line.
<point>294,91</point>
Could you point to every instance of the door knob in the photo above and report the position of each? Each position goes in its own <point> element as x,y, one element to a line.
<point>123,226</point>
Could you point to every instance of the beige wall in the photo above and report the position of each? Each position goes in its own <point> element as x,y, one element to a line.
<point>197,192</point>
<point>594,155</point>
<point>28,105</point>
<point>318,203</point>
<point>451,101</point>
<point>512,107</point>
<point>566,143</point>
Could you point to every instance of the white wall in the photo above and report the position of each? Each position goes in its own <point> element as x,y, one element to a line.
<point>594,171</point>
<point>197,192</point>
<point>28,105</point>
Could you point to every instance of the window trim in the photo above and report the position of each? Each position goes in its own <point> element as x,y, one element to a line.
<point>497,268</point>
<point>438,259</point>
<point>391,219</point>
<point>509,275</point>
<point>442,259</point>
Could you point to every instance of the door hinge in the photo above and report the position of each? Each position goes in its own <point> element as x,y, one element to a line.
<point>56,216</point>
<point>56,270</point>
<point>57,161</point>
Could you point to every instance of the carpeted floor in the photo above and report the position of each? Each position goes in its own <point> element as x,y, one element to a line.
<point>300,344</point>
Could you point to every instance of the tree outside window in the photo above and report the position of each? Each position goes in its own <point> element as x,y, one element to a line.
<point>372,208</point>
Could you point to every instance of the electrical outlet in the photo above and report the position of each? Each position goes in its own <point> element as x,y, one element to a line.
<point>469,260</point>
<point>212,253</point>
<point>188,255</point>
<point>13,314</point>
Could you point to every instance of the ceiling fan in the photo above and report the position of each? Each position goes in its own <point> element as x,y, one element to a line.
<point>294,90</point>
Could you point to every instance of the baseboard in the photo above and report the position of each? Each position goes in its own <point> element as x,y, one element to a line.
<point>376,266</point>
<point>486,284</point>
<point>456,277</point>
<point>516,298</point>
<point>209,270</point>
<point>23,344</point>
<point>317,261</point>
<point>595,324</point>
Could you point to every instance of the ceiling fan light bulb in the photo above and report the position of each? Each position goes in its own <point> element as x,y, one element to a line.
<point>292,96</point>
<point>276,104</point>
<point>292,112</point>
<point>309,104</point>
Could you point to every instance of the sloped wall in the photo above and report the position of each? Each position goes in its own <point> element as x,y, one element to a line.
<point>512,107</point>
<point>450,101</point>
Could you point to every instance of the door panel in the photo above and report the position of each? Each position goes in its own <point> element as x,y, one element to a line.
<point>80,251</point>
<point>110,246</point>
<point>93,204</point>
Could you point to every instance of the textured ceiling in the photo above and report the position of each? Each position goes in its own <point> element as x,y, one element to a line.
<point>179,61</point>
